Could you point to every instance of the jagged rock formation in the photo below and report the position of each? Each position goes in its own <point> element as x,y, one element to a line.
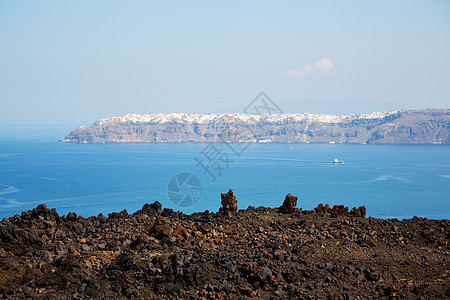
<point>342,210</point>
<point>289,204</point>
<point>229,202</point>
<point>431,126</point>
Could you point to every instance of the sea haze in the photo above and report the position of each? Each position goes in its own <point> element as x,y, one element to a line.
<point>392,181</point>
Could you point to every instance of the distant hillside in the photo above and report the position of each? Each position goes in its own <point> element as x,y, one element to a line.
<point>430,126</point>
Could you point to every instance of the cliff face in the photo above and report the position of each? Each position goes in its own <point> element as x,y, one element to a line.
<point>430,126</point>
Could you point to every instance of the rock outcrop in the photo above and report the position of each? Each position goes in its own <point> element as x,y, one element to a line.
<point>229,202</point>
<point>342,210</point>
<point>289,204</point>
<point>358,212</point>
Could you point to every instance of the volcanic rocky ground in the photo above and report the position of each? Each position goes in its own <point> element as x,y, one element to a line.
<point>257,252</point>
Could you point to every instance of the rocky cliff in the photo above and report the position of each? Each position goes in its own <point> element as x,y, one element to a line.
<point>431,126</point>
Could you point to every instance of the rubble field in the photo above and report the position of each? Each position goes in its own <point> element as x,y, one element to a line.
<point>262,253</point>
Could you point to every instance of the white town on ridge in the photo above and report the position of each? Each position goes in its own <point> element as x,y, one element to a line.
<point>162,118</point>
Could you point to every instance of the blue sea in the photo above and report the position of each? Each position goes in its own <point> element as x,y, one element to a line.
<point>392,181</point>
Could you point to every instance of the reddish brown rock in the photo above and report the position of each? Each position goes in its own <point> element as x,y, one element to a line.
<point>161,229</point>
<point>358,212</point>
<point>71,216</point>
<point>342,210</point>
<point>289,204</point>
<point>152,209</point>
<point>321,209</point>
<point>229,202</point>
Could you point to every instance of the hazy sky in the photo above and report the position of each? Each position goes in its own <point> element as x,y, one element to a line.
<point>78,61</point>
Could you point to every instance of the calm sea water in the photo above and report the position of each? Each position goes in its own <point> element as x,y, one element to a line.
<point>392,181</point>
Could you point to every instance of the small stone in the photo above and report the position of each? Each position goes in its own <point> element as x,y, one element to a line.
<point>41,208</point>
<point>265,275</point>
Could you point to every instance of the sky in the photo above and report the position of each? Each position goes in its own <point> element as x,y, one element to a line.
<point>75,62</point>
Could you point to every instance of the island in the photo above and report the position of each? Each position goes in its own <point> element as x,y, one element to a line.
<point>429,126</point>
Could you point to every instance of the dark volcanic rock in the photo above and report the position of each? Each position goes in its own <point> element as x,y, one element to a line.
<point>289,204</point>
<point>152,209</point>
<point>358,212</point>
<point>71,216</point>
<point>256,252</point>
<point>341,210</point>
<point>321,209</point>
<point>229,202</point>
<point>42,212</point>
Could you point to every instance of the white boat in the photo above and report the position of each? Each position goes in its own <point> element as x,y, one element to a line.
<point>337,161</point>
